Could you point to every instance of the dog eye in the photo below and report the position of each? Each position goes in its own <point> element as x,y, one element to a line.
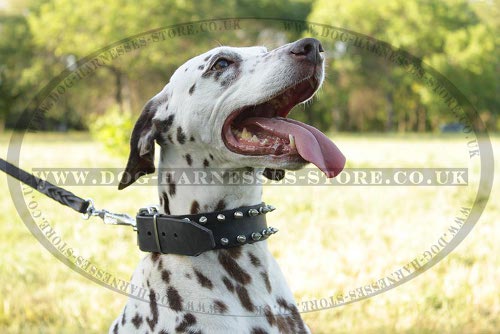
<point>221,64</point>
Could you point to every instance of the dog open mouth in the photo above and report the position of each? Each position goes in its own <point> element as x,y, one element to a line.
<point>263,129</point>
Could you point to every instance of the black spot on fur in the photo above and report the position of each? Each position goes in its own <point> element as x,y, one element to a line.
<point>155,256</point>
<point>258,330</point>
<point>189,160</point>
<point>153,306</point>
<point>235,252</point>
<point>188,321</point>
<point>283,326</point>
<point>211,156</point>
<point>191,90</point>
<point>174,299</point>
<point>267,282</point>
<point>219,306</point>
<point>181,137</point>
<point>166,206</point>
<point>165,276</point>
<point>244,298</point>
<point>254,260</point>
<point>269,316</point>
<point>205,163</point>
<point>274,174</point>
<point>123,316</point>
<point>191,139</point>
<point>171,184</point>
<point>169,137</point>
<point>195,207</point>
<point>115,329</point>
<point>207,57</point>
<point>221,205</point>
<point>233,268</point>
<point>293,319</point>
<point>203,280</point>
<point>137,321</point>
<point>201,67</point>
<point>185,70</point>
<point>163,126</point>
<point>229,285</point>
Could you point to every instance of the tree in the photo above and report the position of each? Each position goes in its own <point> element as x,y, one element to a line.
<point>16,49</point>
<point>449,35</point>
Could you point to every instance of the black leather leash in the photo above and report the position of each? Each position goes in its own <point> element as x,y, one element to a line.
<point>56,193</point>
<point>183,235</point>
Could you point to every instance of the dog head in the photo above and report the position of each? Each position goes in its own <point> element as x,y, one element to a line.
<point>234,102</point>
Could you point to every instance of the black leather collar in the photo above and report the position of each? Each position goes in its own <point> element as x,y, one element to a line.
<point>194,234</point>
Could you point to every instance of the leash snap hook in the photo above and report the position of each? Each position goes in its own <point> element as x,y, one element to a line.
<point>109,218</point>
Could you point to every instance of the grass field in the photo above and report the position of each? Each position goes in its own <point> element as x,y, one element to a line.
<point>332,240</point>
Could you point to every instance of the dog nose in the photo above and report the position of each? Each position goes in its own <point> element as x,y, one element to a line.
<point>308,48</point>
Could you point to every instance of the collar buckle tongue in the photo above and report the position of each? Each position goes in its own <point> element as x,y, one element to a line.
<point>149,210</point>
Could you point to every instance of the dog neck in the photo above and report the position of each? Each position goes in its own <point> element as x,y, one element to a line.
<point>190,183</point>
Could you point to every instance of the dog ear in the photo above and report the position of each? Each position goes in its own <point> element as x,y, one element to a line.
<point>274,174</point>
<point>141,159</point>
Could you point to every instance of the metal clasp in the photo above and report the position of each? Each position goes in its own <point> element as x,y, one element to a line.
<point>149,210</point>
<point>109,218</point>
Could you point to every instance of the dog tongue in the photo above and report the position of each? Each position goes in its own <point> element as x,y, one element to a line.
<point>312,144</point>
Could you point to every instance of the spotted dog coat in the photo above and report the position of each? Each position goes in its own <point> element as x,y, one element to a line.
<point>238,290</point>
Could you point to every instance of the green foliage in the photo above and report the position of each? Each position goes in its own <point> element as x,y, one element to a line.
<point>112,129</point>
<point>363,91</point>
<point>457,38</point>
<point>15,53</point>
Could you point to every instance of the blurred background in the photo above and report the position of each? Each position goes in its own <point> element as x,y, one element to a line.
<point>459,39</point>
<point>378,114</point>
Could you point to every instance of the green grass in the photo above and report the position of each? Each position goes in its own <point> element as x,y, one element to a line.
<point>331,240</point>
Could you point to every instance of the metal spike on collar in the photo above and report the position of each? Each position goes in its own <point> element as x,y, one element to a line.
<point>256,236</point>
<point>264,209</point>
<point>253,212</point>
<point>224,241</point>
<point>221,217</point>
<point>238,214</point>
<point>273,230</point>
<point>271,208</point>
<point>241,238</point>
<point>187,220</point>
<point>265,233</point>
<point>202,220</point>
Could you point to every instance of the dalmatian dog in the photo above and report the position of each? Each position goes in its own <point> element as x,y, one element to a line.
<point>225,109</point>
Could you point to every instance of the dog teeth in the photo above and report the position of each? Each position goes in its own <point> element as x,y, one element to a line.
<point>254,139</point>
<point>292,141</point>
<point>245,134</point>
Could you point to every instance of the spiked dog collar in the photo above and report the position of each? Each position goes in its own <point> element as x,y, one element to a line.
<point>194,234</point>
